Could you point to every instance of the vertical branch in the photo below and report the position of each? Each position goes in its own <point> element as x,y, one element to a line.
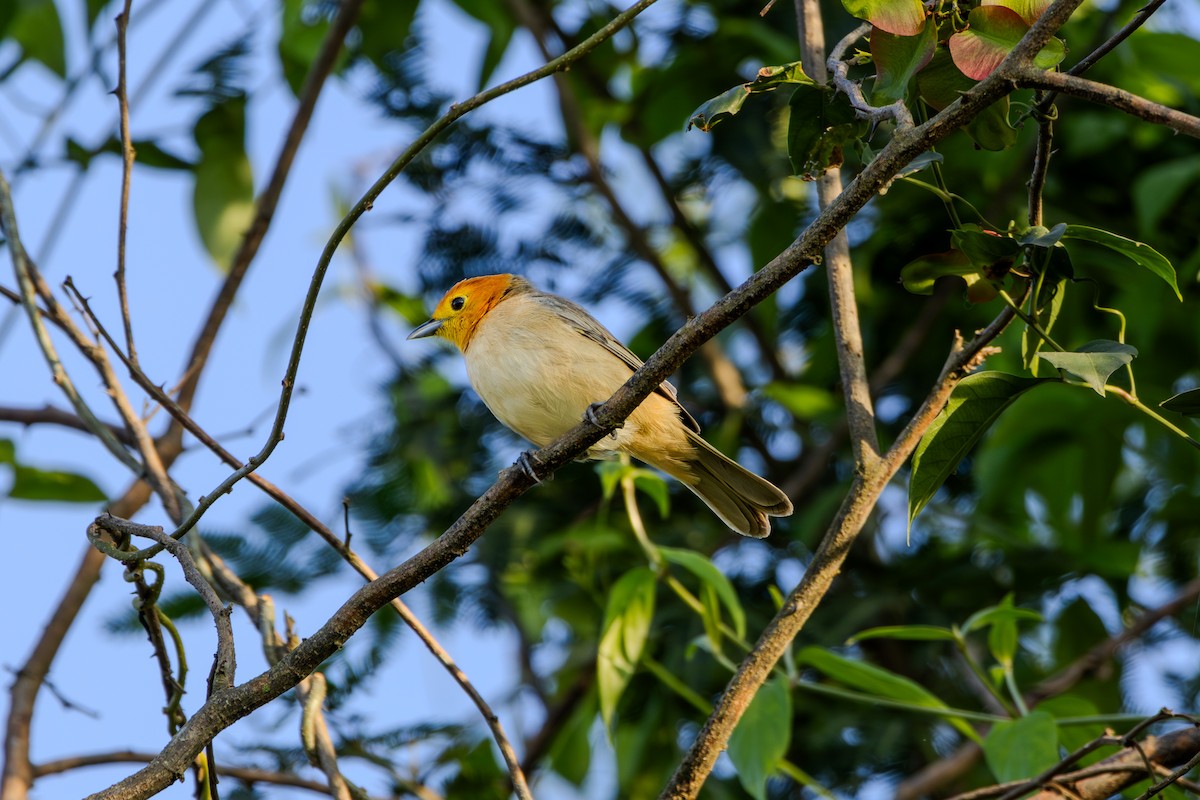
<point>860,410</point>
<point>127,156</point>
<point>1041,162</point>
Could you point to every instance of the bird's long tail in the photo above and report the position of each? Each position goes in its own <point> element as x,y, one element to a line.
<point>742,500</point>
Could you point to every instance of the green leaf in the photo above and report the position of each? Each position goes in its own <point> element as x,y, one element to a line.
<point>1027,10</point>
<point>820,123</point>
<point>301,35</point>
<point>627,619</point>
<point>984,247</point>
<point>876,681</point>
<point>728,103</point>
<point>1022,748</point>
<point>1003,640</point>
<point>1186,403</point>
<point>1141,254</point>
<point>37,29</point>
<point>1094,362</point>
<point>1159,188</point>
<point>993,614</point>
<point>910,633</point>
<point>655,487</point>
<point>1041,236</point>
<point>993,31</point>
<point>941,83</point>
<point>899,17</point>
<point>974,405</point>
<point>709,575</point>
<point>8,452</point>
<point>501,27</point>
<point>223,196</point>
<point>384,27</point>
<point>1050,303</point>
<point>30,483</point>
<point>897,59</point>
<point>802,400</point>
<point>762,736</point>
<point>920,275</point>
<point>570,752</point>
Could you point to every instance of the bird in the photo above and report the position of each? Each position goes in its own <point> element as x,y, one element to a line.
<point>540,363</point>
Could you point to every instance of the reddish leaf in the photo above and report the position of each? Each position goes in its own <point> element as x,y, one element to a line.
<point>901,17</point>
<point>993,32</point>
<point>941,83</point>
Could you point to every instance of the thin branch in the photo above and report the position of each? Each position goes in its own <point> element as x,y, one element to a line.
<point>49,415</point>
<point>847,331</point>
<point>1041,168</point>
<point>314,82</point>
<point>223,709</point>
<point>127,157</point>
<point>1031,77</point>
<point>840,68</point>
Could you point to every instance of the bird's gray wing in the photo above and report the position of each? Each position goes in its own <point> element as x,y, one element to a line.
<point>587,325</point>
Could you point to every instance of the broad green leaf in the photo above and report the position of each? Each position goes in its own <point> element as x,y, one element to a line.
<point>94,7</point>
<point>654,487</point>
<point>1022,748</point>
<point>708,573</point>
<point>974,405</point>
<point>627,619</point>
<point>897,59</point>
<point>1050,306</point>
<point>899,17</point>
<point>984,247</point>
<point>37,29</point>
<point>1027,10</point>
<point>820,123</point>
<point>8,452</point>
<point>301,34</point>
<point>802,400</point>
<point>941,83</point>
<point>728,103</point>
<point>223,197</point>
<point>1041,236</point>
<point>1159,188</point>
<point>30,483</point>
<point>1094,362</point>
<point>1141,254</point>
<point>876,681</point>
<point>762,736</point>
<point>570,752</point>
<point>910,633</point>
<point>993,31</point>
<point>1003,640</point>
<point>384,27</point>
<point>1186,403</point>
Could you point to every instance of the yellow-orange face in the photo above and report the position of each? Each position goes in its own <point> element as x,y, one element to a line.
<point>459,311</point>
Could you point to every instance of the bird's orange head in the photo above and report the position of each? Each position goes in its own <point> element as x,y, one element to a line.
<point>461,309</point>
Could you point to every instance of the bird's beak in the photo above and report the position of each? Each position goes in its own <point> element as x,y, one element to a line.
<point>426,329</point>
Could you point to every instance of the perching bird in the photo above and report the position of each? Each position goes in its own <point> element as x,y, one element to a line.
<point>539,362</point>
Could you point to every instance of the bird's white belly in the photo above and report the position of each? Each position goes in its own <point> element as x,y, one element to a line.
<point>540,387</point>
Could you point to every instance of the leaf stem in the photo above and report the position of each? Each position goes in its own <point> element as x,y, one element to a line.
<point>1132,400</point>
<point>1030,321</point>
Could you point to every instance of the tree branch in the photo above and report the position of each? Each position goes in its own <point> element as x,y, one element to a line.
<point>1031,77</point>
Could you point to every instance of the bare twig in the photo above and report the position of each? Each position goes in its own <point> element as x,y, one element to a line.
<point>127,156</point>
<point>860,411</point>
<point>840,69</point>
<point>1031,77</point>
<point>49,415</point>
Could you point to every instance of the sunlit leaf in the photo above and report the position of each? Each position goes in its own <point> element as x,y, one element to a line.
<point>1094,362</point>
<point>973,406</point>
<point>223,197</point>
<point>1141,254</point>
<point>899,17</point>
<point>1027,10</point>
<point>994,31</point>
<point>728,103</point>
<point>627,619</point>
<point>708,573</point>
<point>876,681</point>
<point>762,736</point>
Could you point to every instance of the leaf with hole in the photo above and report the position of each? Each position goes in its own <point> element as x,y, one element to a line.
<point>1093,363</point>
<point>973,406</point>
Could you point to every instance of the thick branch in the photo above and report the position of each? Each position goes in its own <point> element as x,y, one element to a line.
<point>1034,78</point>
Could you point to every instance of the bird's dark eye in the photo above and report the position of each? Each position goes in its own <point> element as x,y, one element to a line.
<point>457,303</point>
